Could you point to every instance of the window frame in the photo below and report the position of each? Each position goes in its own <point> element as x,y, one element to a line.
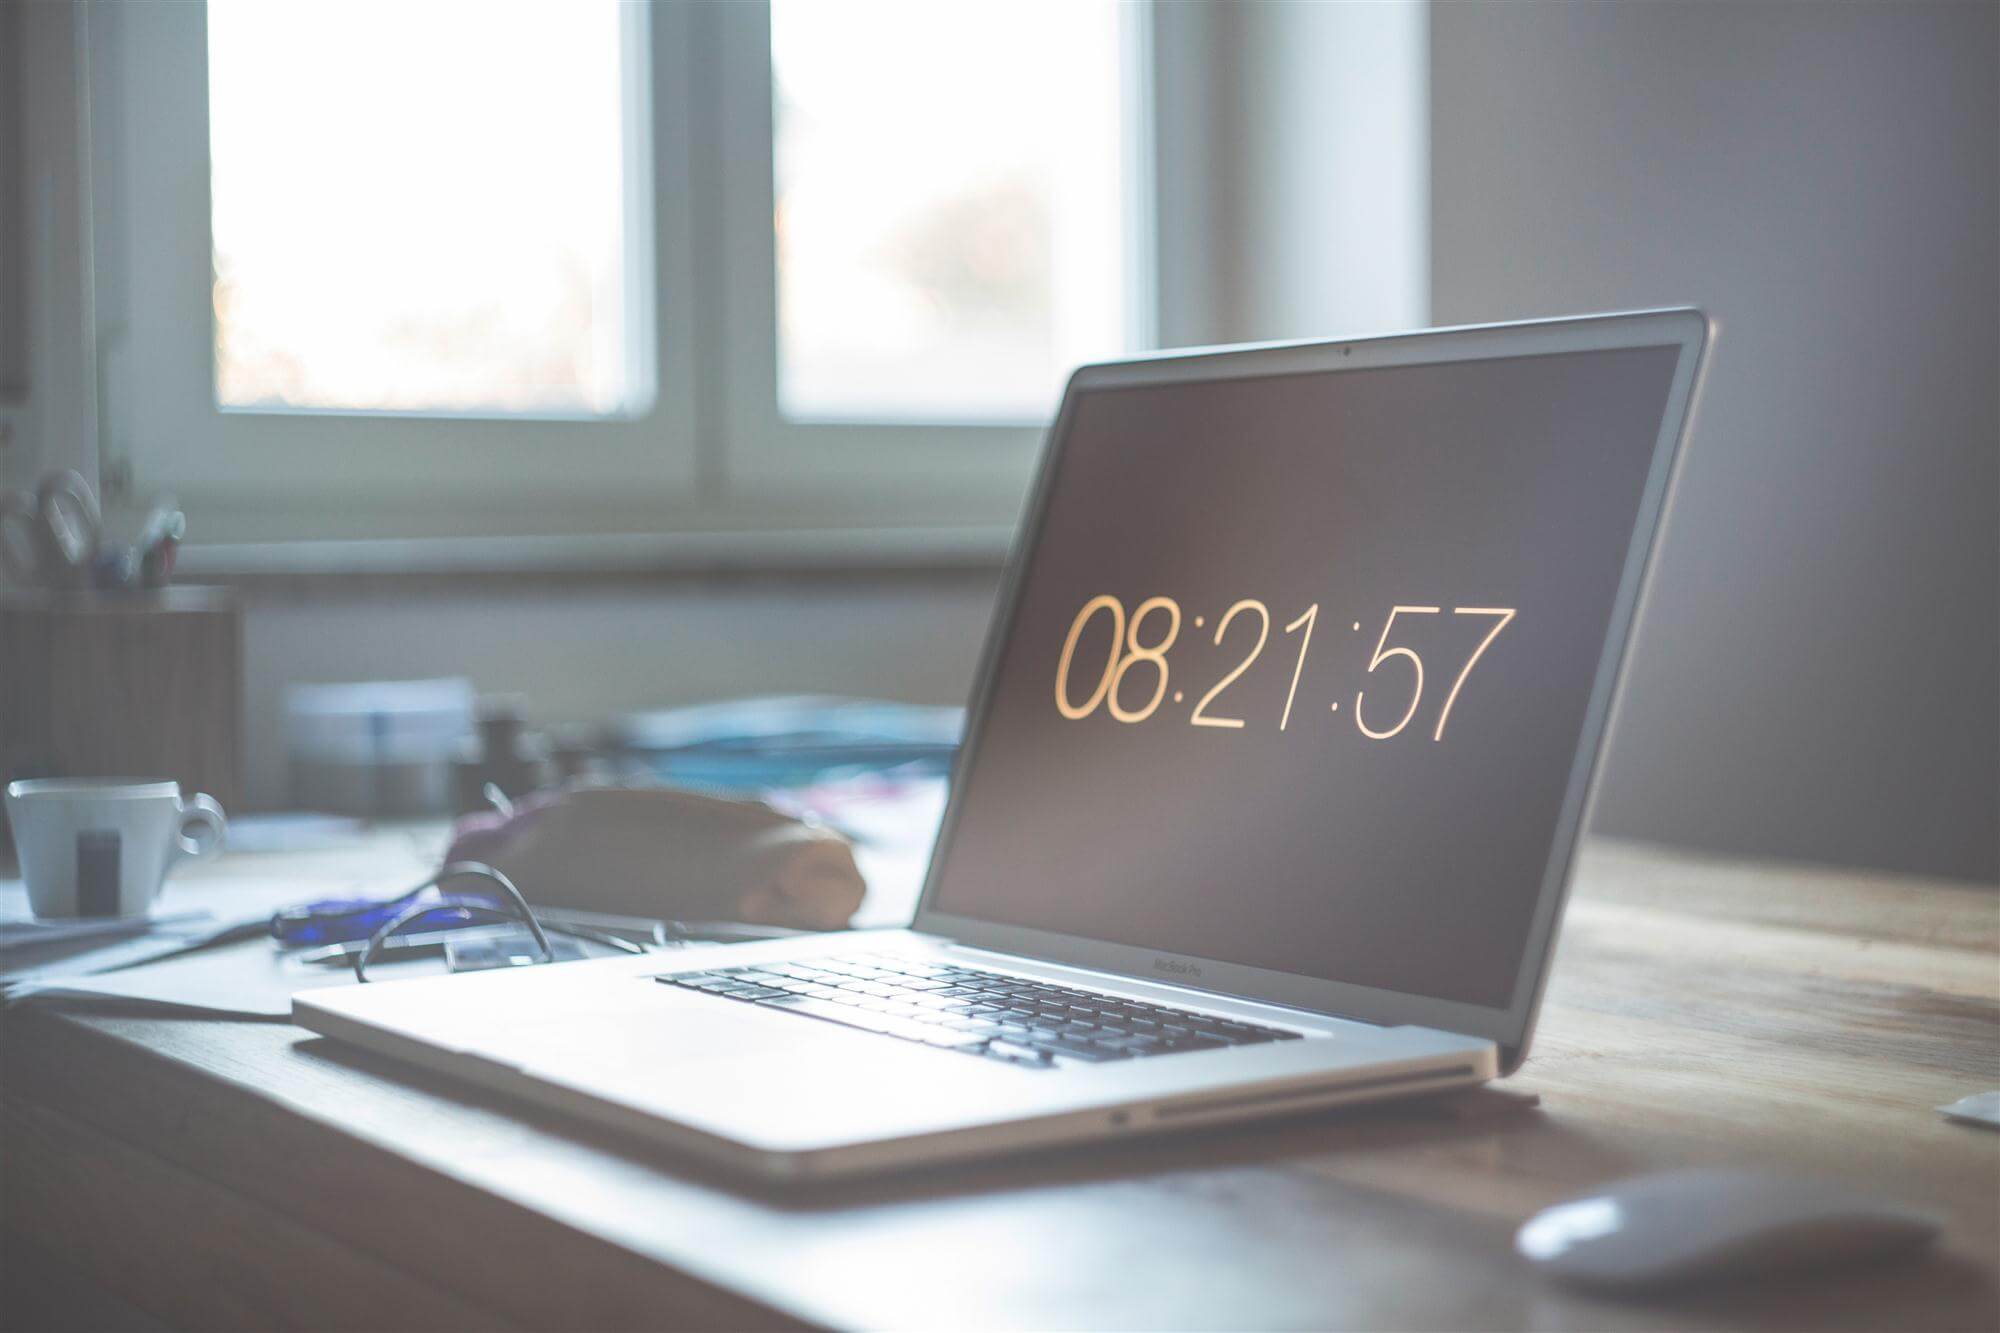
<point>711,453</point>
<point>851,458</point>
<point>259,472</point>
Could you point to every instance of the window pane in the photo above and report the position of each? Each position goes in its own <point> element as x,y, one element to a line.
<point>420,207</point>
<point>950,221</point>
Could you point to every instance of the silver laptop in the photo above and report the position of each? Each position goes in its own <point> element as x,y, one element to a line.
<point>1272,779</point>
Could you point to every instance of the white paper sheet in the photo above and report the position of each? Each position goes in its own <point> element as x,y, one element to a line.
<point>186,915</point>
<point>253,979</point>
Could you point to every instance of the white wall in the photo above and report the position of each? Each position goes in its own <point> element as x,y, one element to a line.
<point>1293,180</point>
<point>1819,673</point>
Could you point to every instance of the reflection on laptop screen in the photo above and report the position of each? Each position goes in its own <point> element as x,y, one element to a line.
<point>1299,666</point>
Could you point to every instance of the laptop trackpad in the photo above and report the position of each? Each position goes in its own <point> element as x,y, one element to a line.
<point>776,1080</point>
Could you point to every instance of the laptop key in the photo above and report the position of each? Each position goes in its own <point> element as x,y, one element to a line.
<point>1128,1043</point>
<point>1190,1042</point>
<point>1013,1053</point>
<point>1022,1021</point>
<point>947,1040</point>
<point>1089,1051</point>
<point>854,1018</point>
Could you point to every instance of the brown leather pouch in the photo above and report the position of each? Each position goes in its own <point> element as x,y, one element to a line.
<point>660,852</point>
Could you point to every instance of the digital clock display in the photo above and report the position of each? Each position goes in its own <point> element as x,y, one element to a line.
<point>1299,665</point>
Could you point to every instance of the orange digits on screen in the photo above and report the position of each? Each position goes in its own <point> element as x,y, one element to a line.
<point>1129,649</point>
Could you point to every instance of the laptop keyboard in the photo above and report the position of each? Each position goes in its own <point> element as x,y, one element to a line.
<point>1017,1020</point>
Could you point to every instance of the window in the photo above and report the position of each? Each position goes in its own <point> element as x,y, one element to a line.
<point>525,268</point>
<point>448,241</point>
<point>952,264</point>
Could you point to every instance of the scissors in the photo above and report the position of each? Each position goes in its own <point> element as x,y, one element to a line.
<point>50,537</point>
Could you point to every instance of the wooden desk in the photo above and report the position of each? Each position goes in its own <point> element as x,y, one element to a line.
<point>242,1174</point>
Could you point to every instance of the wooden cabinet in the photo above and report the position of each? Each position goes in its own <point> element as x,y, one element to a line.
<point>140,685</point>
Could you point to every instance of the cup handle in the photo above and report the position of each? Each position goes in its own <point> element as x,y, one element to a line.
<point>200,811</point>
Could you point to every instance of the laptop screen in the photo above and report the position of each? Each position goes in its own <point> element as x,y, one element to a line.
<point>1299,666</point>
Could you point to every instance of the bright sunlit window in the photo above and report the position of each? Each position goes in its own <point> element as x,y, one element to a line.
<point>616,267</point>
<point>951,202</point>
<point>421,207</point>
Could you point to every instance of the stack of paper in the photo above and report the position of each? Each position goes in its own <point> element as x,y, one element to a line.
<point>37,953</point>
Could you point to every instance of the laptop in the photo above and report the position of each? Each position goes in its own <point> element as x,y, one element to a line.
<point>1272,780</point>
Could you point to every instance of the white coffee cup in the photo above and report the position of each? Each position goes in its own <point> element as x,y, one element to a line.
<point>101,847</point>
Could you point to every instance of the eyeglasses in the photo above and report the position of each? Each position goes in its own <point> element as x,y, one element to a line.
<point>429,907</point>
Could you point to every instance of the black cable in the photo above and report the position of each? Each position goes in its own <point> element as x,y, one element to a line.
<point>480,870</point>
<point>464,910</point>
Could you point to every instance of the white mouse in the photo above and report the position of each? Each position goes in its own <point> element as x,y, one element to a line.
<point>1712,1222</point>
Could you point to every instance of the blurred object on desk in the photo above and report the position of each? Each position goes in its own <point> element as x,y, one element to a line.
<point>130,685</point>
<point>378,749</point>
<point>658,852</point>
<point>207,908</point>
<point>139,545</point>
<point>57,538</point>
<point>504,756</point>
<point>577,754</point>
<point>745,746</point>
<point>102,847</point>
<point>49,536</point>
<point>242,979</point>
<point>892,819</point>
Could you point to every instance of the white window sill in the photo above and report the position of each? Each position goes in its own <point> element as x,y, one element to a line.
<point>771,551</point>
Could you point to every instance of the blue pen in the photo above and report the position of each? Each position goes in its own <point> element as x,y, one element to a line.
<point>347,920</point>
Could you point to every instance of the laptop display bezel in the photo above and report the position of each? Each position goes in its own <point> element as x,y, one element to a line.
<point>1685,329</point>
